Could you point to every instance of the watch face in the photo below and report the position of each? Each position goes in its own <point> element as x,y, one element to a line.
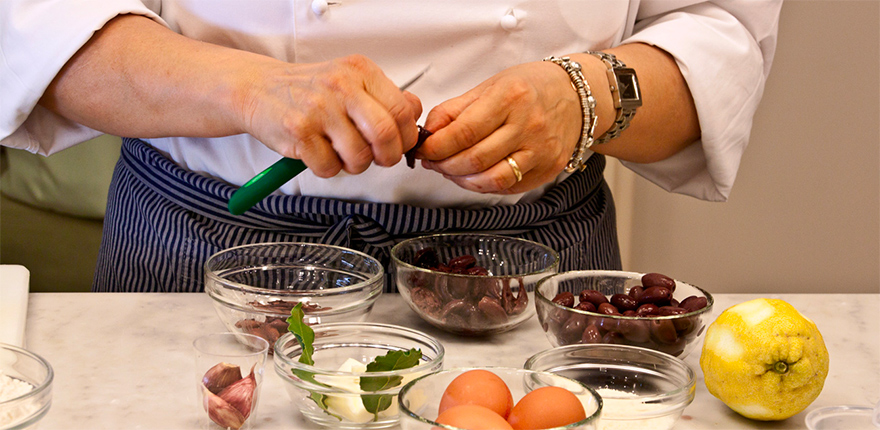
<point>629,88</point>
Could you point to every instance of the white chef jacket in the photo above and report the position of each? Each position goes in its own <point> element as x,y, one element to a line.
<point>724,50</point>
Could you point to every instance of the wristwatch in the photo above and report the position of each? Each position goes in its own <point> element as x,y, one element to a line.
<point>625,92</point>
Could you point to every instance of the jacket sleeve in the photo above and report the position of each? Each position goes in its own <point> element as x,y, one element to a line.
<point>36,39</point>
<point>724,50</point>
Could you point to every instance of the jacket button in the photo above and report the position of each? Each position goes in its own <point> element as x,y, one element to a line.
<point>511,20</point>
<point>320,7</point>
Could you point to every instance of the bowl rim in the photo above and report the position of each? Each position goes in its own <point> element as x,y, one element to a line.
<point>540,297</point>
<point>404,410</point>
<point>687,389</point>
<point>375,282</point>
<point>283,359</point>
<point>38,389</point>
<point>553,267</point>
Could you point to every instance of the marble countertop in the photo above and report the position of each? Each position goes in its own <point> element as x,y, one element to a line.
<point>125,361</point>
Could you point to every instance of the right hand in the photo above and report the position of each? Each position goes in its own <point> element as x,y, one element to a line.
<point>342,114</point>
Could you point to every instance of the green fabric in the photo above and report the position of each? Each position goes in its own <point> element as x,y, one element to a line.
<point>72,182</point>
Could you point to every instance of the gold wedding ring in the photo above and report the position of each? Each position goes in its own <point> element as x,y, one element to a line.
<point>515,168</point>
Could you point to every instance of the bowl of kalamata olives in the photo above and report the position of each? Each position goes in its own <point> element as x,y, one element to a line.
<point>649,310</point>
<point>471,284</point>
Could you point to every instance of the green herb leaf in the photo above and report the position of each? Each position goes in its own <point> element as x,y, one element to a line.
<point>393,360</point>
<point>306,338</point>
<point>303,333</point>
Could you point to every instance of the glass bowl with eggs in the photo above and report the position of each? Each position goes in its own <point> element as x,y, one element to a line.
<point>497,398</point>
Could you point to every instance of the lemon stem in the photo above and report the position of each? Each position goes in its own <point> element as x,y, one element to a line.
<point>780,367</point>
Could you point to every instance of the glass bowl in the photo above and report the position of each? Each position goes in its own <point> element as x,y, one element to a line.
<point>254,287</point>
<point>673,334</point>
<point>420,399</point>
<point>640,388</point>
<point>329,392</point>
<point>471,284</point>
<point>849,417</point>
<point>29,392</point>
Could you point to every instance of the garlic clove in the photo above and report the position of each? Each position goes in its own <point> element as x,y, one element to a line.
<point>221,412</point>
<point>240,394</point>
<point>221,376</point>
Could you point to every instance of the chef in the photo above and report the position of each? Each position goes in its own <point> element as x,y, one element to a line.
<point>525,100</point>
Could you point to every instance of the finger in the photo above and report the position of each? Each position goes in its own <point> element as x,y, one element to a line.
<point>403,109</point>
<point>496,179</point>
<point>476,122</point>
<point>481,156</point>
<point>354,153</point>
<point>318,154</point>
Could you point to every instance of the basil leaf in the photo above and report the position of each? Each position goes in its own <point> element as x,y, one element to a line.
<point>303,333</point>
<point>306,338</point>
<point>393,360</point>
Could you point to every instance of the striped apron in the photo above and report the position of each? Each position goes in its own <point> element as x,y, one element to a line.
<point>163,222</point>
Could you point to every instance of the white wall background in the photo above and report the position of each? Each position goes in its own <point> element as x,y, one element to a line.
<point>804,215</point>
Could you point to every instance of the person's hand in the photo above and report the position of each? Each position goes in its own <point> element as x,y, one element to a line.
<point>529,113</point>
<point>342,114</point>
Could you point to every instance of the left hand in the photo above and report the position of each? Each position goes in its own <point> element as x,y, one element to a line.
<point>528,112</point>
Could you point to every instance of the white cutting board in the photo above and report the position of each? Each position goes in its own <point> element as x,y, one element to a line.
<point>14,281</point>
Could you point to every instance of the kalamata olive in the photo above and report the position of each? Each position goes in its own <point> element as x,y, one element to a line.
<point>442,268</point>
<point>586,306</point>
<point>694,303</point>
<point>656,295</point>
<point>612,338</point>
<point>634,330</point>
<point>565,298</point>
<point>607,309</point>
<point>593,296</point>
<point>573,329</point>
<point>685,325</point>
<point>492,310</point>
<point>426,258</point>
<point>426,300</point>
<point>591,335</point>
<point>647,309</point>
<point>671,310</point>
<point>477,271</point>
<point>658,280</point>
<point>636,292</point>
<point>673,302</point>
<point>521,302</point>
<point>663,331</point>
<point>629,313</point>
<point>624,302</point>
<point>462,263</point>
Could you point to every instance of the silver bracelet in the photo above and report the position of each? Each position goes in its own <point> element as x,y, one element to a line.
<point>588,106</point>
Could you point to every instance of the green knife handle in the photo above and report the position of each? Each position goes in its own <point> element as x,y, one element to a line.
<point>264,184</point>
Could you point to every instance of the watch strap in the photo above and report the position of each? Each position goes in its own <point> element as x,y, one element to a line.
<point>626,109</point>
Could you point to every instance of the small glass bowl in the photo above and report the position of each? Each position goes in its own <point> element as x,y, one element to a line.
<point>331,382</point>
<point>27,409</point>
<point>420,399</point>
<point>847,417</point>
<point>494,301</point>
<point>254,287</point>
<point>640,388</point>
<point>673,334</point>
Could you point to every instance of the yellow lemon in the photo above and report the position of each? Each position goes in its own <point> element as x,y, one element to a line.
<point>764,359</point>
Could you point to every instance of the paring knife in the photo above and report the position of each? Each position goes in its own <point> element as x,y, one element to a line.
<point>285,169</point>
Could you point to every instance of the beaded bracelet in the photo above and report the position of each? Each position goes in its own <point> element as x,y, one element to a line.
<point>588,105</point>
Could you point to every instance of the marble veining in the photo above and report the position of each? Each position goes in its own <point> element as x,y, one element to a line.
<point>126,361</point>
